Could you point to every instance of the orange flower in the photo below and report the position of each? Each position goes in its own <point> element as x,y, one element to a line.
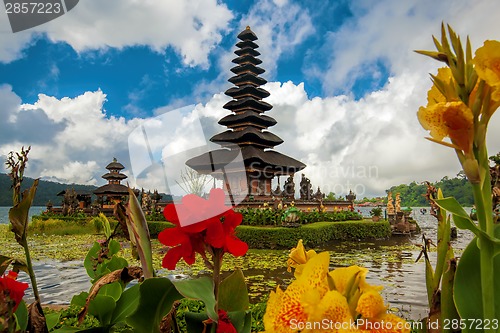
<point>449,119</point>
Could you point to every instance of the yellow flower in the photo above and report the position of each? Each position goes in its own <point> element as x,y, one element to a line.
<point>449,119</point>
<point>487,62</point>
<point>434,95</point>
<point>283,307</point>
<point>375,317</point>
<point>298,257</point>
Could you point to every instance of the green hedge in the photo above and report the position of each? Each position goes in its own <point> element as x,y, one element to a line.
<point>312,234</point>
<point>60,217</point>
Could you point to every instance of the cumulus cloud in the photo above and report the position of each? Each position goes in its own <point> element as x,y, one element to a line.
<point>192,28</point>
<point>385,33</point>
<point>72,139</point>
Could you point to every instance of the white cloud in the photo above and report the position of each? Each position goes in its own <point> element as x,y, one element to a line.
<point>192,28</point>
<point>389,30</point>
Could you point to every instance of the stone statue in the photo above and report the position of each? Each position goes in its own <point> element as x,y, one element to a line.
<point>289,188</point>
<point>318,195</point>
<point>277,192</point>
<point>398,203</point>
<point>390,206</point>
<point>305,188</point>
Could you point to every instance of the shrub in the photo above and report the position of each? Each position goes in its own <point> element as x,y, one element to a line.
<point>62,227</point>
<point>312,234</point>
<point>273,217</point>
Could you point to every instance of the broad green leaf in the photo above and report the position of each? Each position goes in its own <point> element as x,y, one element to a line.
<point>18,215</point>
<point>137,221</point>
<point>126,305</point>
<point>467,286</point>
<point>202,289</point>
<point>451,205</point>
<point>80,299</point>
<point>194,322</point>
<point>102,307</point>
<point>113,290</point>
<point>233,293</point>
<point>22,315</point>
<point>89,262</point>
<point>52,319</point>
<point>156,297</point>
<point>241,320</point>
<point>114,247</point>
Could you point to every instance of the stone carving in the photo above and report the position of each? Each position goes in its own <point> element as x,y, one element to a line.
<point>306,191</point>
<point>289,188</point>
<point>398,203</point>
<point>390,205</point>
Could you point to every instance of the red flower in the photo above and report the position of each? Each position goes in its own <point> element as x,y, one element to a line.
<point>224,325</point>
<point>200,223</point>
<point>12,288</point>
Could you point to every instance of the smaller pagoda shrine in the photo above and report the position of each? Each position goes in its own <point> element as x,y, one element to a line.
<point>113,191</point>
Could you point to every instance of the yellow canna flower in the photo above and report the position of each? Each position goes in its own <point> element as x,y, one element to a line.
<point>434,95</point>
<point>285,308</point>
<point>375,317</point>
<point>449,119</point>
<point>487,62</point>
<point>298,257</point>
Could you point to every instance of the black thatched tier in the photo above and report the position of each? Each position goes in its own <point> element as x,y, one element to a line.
<point>247,51</point>
<point>247,34</point>
<point>247,59</point>
<point>247,91</point>
<point>247,68</point>
<point>247,118</point>
<point>247,43</point>
<point>273,161</point>
<point>114,175</point>
<point>112,189</point>
<point>247,103</point>
<point>247,136</point>
<point>242,79</point>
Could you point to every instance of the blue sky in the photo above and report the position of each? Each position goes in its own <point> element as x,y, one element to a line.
<point>344,82</point>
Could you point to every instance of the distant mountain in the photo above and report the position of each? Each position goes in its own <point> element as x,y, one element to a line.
<point>46,190</point>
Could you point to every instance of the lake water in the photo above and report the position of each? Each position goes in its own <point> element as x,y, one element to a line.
<point>4,213</point>
<point>391,264</point>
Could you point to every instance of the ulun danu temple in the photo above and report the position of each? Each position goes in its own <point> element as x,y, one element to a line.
<point>247,132</point>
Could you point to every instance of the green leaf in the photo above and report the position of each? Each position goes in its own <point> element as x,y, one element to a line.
<point>90,259</point>
<point>233,293</point>
<point>137,222</point>
<point>460,217</point>
<point>126,305</point>
<point>194,322</point>
<point>102,307</point>
<point>106,226</point>
<point>156,297</point>
<point>467,286</point>
<point>202,289</point>
<point>18,215</point>
<point>22,315</point>
<point>80,299</point>
<point>52,319</point>
<point>114,247</point>
<point>113,290</point>
<point>241,320</point>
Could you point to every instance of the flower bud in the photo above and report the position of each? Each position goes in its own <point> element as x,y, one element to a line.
<point>471,170</point>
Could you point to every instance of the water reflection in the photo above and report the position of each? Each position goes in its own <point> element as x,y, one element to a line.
<point>391,263</point>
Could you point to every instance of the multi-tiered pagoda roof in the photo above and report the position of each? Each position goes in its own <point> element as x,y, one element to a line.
<point>247,125</point>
